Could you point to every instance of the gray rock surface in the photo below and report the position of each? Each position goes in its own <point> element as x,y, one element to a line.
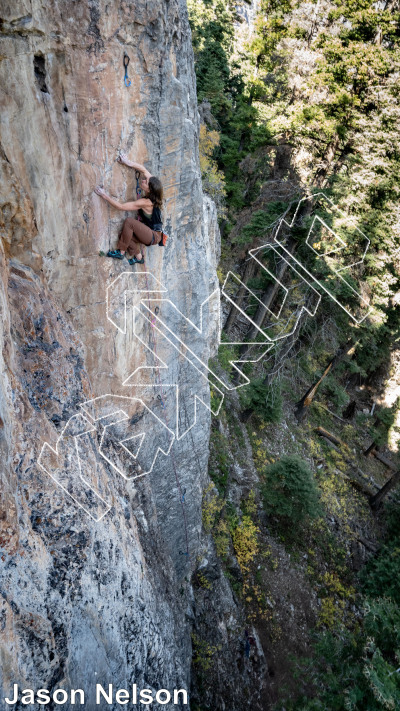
<point>106,600</point>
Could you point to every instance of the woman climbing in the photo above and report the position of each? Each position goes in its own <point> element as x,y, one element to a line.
<point>135,232</point>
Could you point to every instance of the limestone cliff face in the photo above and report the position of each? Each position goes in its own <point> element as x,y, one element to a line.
<point>108,600</point>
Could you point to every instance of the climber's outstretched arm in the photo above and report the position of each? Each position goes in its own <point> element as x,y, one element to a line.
<point>122,158</point>
<point>136,205</point>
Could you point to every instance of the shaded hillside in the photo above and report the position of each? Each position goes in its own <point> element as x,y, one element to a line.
<point>311,106</point>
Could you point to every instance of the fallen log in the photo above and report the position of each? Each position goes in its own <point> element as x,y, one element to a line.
<point>360,481</point>
<point>322,432</point>
<point>375,500</point>
<point>384,460</point>
<point>332,413</point>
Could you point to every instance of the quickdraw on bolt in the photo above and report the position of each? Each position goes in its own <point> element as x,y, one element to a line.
<point>126,62</point>
<point>138,190</point>
<point>157,310</point>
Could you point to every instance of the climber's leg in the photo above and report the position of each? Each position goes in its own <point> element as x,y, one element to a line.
<point>139,234</point>
<point>126,235</point>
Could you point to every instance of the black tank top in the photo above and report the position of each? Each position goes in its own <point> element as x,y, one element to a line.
<point>155,221</point>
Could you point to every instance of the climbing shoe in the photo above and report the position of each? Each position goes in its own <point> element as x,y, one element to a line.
<point>115,254</point>
<point>163,240</point>
<point>133,260</point>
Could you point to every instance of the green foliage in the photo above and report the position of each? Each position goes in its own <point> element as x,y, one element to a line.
<point>375,345</point>
<point>386,418</point>
<point>357,668</point>
<point>235,430</point>
<point>382,573</point>
<point>343,112</point>
<point>212,36</point>
<point>265,400</point>
<point>338,110</point>
<point>221,83</point>
<point>226,353</point>
<point>211,507</point>
<point>203,653</point>
<point>219,461</point>
<point>289,491</point>
<point>355,671</point>
<point>392,518</point>
<point>261,221</point>
<point>335,392</point>
<point>213,179</point>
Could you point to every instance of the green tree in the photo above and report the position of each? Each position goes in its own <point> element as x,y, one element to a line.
<point>262,399</point>
<point>355,671</point>
<point>289,491</point>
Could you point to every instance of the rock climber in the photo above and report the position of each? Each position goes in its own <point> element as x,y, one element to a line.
<point>148,229</point>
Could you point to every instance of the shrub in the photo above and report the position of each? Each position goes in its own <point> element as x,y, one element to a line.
<point>203,652</point>
<point>290,491</point>
<point>382,573</point>
<point>211,507</point>
<point>212,179</point>
<point>264,400</point>
<point>245,543</point>
<point>260,223</point>
<point>222,538</point>
<point>355,671</point>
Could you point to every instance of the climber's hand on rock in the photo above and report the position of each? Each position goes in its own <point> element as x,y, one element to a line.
<point>123,158</point>
<point>100,191</point>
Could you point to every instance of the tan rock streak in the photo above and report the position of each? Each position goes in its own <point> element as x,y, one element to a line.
<point>83,599</point>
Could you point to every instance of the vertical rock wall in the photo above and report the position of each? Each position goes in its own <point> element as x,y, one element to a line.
<point>82,600</point>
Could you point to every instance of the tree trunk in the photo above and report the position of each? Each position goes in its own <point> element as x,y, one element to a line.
<point>267,299</point>
<point>383,459</point>
<point>271,291</point>
<point>370,449</point>
<point>248,274</point>
<point>376,500</point>
<point>301,406</point>
<point>322,172</point>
